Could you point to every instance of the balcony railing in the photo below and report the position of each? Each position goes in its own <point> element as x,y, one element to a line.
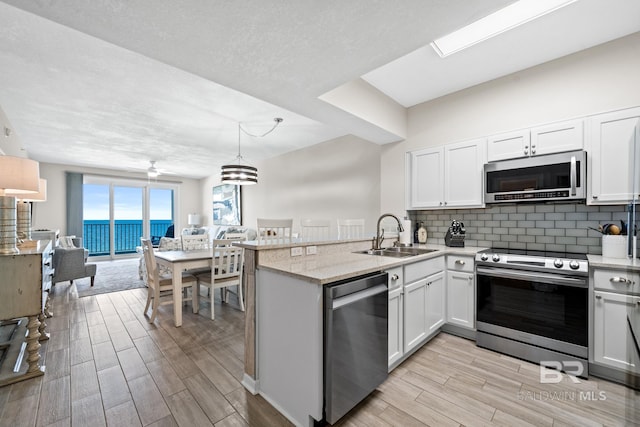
<point>96,237</point>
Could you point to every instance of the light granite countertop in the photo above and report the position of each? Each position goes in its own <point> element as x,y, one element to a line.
<point>257,245</point>
<point>324,269</point>
<point>631,264</point>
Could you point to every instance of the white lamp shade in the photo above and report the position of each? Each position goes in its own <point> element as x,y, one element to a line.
<point>19,175</point>
<point>193,219</point>
<point>40,196</point>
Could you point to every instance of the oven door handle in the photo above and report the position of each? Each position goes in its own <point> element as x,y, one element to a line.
<point>536,277</point>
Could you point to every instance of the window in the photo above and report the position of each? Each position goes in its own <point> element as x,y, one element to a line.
<point>116,213</point>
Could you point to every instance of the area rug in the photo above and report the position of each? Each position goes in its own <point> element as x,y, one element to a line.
<point>111,276</point>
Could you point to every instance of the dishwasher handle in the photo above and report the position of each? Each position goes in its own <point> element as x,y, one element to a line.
<point>357,296</point>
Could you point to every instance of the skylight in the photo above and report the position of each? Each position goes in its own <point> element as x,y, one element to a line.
<point>498,22</point>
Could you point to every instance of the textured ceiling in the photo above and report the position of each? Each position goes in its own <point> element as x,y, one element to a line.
<point>422,75</point>
<point>114,83</point>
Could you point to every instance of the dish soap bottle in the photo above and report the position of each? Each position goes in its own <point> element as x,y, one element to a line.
<point>422,234</point>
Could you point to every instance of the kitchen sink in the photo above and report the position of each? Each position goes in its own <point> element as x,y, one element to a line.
<point>397,252</point>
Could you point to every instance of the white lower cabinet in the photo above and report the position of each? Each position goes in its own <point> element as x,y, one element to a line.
<point>424,309</point>
<point>615,317</point>
<point>460,299</point>
<point>415,314</point>
<point>435,302</point>
<point>396,325</point>
<point>461,289</point>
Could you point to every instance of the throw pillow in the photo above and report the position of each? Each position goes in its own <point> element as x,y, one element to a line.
<point>66,242</point>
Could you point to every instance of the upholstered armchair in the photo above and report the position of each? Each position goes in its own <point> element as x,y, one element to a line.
<point>70,264</point>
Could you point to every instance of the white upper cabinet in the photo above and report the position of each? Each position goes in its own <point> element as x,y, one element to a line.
<point>446,176</point>
<point>508,145</point>
<point>463,173</point>
<point>425,178</point>
<point>547,139</point>
<point>557,137</point>
<point>614,151</point>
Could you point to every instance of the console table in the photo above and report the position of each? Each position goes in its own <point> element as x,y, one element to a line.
<point>24,290</point>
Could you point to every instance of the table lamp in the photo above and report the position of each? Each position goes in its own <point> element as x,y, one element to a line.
<point>23,224</point>
<point>193,220</point>
<point>18,175</point>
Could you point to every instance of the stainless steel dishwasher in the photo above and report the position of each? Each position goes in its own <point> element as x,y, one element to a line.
<point>355,341</point>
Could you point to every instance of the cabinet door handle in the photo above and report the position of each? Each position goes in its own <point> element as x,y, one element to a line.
<point>533,149</point>
<point>598,296</point>
<point>621,280</point>
<point>445,203</point>
<point>595,197</point>
<point>440,203</point>
<point>394,277</point>
<point>459,261</point>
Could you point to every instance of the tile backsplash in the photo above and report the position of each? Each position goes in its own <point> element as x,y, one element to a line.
<point>550,227</point>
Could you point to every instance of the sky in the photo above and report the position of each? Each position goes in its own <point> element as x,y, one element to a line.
<point>127,202</point>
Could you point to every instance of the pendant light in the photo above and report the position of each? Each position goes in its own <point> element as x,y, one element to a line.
<point>239,173</point>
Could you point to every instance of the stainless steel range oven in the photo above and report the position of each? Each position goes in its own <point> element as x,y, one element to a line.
<point>533,305</point>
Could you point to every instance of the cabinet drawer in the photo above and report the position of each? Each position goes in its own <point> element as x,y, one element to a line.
<point>395,277</point>
<point>460,263</point>
<point>421,269</point>
<point>617,281</point>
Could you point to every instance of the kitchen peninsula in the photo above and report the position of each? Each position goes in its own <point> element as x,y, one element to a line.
<point>284,318</point>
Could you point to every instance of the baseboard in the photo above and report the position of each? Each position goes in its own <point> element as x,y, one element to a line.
<point>250,384</point>
<point>628,379</point>
<point>310,422</point>
<point>459,331</point>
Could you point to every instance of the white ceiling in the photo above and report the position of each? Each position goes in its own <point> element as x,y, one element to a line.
<point>115,83</point>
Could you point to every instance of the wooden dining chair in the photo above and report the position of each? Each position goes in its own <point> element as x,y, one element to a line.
<point>274,230</point>
<point>195,242</point>
<point>350,228</point>
<point>160,288</point>
<point>226,271</point>
<point>315,229</point>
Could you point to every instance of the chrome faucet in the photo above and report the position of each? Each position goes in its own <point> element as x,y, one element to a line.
<point>380,235</point>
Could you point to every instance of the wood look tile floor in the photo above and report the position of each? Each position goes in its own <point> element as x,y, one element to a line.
<point>107,366</point>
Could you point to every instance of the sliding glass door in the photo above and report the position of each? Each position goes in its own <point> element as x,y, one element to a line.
<point>127,218</point>
<point>160,213</point>
<point>118,212</point>
<point>96,213</point>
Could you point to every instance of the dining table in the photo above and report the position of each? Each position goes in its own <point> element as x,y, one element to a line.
<point>177,262</point>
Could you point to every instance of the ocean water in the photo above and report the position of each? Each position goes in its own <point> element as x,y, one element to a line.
<point>127,234</point>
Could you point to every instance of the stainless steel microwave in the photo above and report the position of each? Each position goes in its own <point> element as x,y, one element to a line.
<point>552,177</point>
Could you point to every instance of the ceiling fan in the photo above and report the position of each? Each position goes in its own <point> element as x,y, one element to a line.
<point>154,172</point>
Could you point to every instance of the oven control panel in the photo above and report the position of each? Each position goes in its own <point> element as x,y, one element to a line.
<point>560,264</point>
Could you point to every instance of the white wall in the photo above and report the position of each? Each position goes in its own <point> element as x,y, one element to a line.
<point>599,79</point>
<point>9,145</point>
<point>335,179</point>
<point>52,213</point>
